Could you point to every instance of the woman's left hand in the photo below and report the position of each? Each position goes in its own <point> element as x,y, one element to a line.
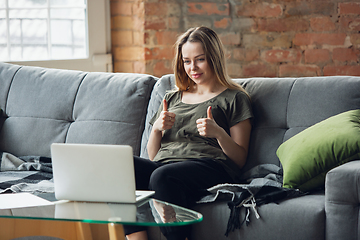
<point>207,127</point>
<point>235,145</point>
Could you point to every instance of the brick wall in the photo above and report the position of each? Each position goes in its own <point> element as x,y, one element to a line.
<point>266,38</point>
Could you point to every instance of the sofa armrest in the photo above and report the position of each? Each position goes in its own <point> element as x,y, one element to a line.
<point>342,198</point>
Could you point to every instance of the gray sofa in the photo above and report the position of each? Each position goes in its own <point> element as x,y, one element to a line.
<point>42,106</point>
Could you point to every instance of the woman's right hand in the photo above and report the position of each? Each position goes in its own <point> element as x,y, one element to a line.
<point>166,119</point>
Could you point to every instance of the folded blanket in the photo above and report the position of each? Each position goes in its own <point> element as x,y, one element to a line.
<point>25,174</point>
<point>262,184</point>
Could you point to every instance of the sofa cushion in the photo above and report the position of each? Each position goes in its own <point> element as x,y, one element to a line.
<point>296,219</point>
<point>309,155</point>
<point>43,106</point>
<point>111,108</point>
<point>283,107</point>
<point>269,101</point>
<point>7,72</point>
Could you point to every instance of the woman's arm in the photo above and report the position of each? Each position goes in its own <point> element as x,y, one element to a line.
<point>234,146</point>
<point>165,121</point>
<point>154,143</point>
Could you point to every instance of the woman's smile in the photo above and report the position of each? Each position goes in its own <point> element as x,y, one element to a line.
<point>196,75</point>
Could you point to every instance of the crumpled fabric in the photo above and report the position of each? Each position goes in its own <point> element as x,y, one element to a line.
<point>262,184</point>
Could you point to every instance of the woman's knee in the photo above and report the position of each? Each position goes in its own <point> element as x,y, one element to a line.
<point>143,171</point>
<point>167,188</point>
<point>161,177</point>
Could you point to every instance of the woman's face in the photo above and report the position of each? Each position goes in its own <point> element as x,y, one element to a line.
<point>195,63</point>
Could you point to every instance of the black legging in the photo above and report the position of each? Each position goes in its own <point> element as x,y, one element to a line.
<point>181,183</point>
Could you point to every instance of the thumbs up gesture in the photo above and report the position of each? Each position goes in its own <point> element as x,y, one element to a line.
<point>209,113</point>
<point>207,127</point>
<point>166,119</point>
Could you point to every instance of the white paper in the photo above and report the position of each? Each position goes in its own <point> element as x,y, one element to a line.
<point>21,200</point>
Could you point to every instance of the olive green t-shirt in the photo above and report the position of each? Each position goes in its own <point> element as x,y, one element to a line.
<point>183,142</point>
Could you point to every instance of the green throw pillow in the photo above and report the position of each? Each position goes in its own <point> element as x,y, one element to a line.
<point>309,155</point>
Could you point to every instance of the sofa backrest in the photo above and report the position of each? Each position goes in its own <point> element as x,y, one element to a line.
<point>282,108</point>
<point>42,106</point>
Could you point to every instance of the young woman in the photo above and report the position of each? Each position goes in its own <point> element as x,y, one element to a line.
<point>200,135</point>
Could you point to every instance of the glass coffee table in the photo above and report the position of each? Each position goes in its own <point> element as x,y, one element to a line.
<point>79,216</point>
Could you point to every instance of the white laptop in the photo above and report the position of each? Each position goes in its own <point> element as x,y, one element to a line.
<point>96,211</point>
<point>95,173</point>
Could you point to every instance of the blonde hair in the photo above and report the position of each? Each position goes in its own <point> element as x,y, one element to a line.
<point>214,54</point>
